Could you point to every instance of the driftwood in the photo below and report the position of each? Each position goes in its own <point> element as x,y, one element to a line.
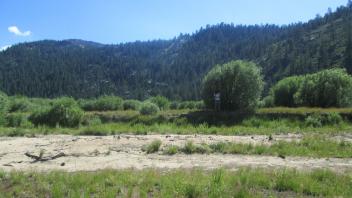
<point>41,158</point>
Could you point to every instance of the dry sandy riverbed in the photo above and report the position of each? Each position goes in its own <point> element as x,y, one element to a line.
<point>90,153</point>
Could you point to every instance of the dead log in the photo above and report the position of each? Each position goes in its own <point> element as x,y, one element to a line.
<point>41,157</point>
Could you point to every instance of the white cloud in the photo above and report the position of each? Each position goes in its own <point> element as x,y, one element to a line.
<point>17,32</point>
<point>3,48</point>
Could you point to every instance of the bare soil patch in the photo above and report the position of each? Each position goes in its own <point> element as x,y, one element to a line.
<point>91,153</point>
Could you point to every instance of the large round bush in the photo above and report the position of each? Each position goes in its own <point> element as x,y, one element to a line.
<point>149,108</point>
<point>283,92</point>
<point>327,88</point>
<point>239,83</point>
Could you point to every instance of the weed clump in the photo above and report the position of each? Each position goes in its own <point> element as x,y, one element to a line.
<point>149,108</point>
<point>152,147</point>
<point>190,148</point>
<point>171,150</point>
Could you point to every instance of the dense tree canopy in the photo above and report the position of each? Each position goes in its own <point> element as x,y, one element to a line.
<point>174,68</point>
<point>239,83</point>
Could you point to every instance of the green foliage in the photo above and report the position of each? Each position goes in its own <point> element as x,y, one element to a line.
<point>149,108</point>
<point>131,105</point>
<point>318,120</point>
<point>186,105</point>
<point>171,150</point>
<point>327,88</point>
<point>284,91</point>
<point>239,83</point>
<point>91,120</point>
<point>152,147</point>
<point>267,101</point>
<point>333,119</point>
<point>199,105</point>
<point>17,120</point>
<point>174,105</point>
<point>244,182</point>
<point>310,146</point>
<point>106,103</point>
<point>87,104</point>
<point>162,102</point>
<point>174,68</point>
<point>103,103</point>
<point>65,112</point>
<point>314,120</point>
<point>20,104</point>
<point>4,102</point>
<point>190,148</point>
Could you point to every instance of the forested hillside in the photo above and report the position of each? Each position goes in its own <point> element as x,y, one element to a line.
<point>174,68</point>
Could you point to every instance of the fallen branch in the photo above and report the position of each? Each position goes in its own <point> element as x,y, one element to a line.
<point>41,158</point>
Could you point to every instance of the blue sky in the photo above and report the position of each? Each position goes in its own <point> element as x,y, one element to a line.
<point>116,21</point>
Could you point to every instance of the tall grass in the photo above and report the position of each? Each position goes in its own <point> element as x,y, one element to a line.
<point>310,146</point>
<point>177,122</point>
<point>180,183</point>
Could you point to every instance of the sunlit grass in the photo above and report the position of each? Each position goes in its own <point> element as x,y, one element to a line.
<point>180,183</point>
<point>309,146</point>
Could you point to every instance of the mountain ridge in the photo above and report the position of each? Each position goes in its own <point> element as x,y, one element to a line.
<point>175,67</point>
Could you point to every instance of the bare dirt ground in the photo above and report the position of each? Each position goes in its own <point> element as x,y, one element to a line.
<point>90,153</point>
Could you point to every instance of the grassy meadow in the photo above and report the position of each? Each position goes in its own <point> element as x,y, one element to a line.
<point>180,183</point>
<point>316,125</point>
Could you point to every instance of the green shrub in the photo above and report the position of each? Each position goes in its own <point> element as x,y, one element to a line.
<point>87,104</point>
<point>106,103</point>
<point>239,83</point>
<point>268,101</point>
<point>284,91</point>
<point>40,117</point>
<point>191,105</point>
<point>132,105</point>
<point>65,112</point>
<point>327,88</point>
<point>174,105</point>
<point>171,150</point>
<point>20,104</point>
<point>191,191</point>
<point>103,103</point>
<point>319,120</point>
<point>92,121</point>
<point>4,104</point>
<point>152,147</point>
<point>16,120</point>
<point>183,105</point>
<point>190,148</point>
<point>333,119</point>
<point>314,120</point>
<point>162,102</point>
<point>199,105</point>
<point>149,109</point>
